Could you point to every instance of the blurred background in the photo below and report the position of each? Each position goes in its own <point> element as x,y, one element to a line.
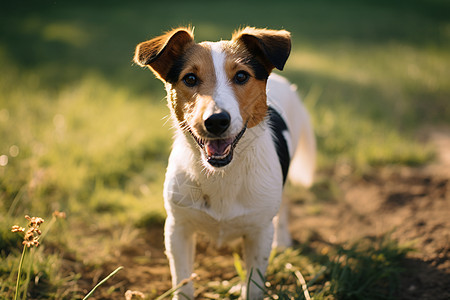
<point>85,131</point>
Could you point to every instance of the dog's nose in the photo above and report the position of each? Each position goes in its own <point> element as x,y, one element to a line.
<point>218,122</point>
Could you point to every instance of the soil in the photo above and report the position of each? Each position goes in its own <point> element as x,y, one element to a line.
<point>411,203</point>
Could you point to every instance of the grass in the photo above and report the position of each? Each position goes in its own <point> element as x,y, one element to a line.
<point>366,269</point>
<point>86,132</point>
<point>32,235</point>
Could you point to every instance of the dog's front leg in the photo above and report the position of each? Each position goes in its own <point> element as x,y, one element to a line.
<point>180,250</point>
<point>257,247</point>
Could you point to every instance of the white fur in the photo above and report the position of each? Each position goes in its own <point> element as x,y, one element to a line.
<point>224,97</point>
<point>241,199</point>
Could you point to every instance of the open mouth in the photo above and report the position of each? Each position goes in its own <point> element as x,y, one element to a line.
<point>218,152</point>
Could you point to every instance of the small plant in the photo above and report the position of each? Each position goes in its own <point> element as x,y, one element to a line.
<point>32,236</point>
<point>30,239</point>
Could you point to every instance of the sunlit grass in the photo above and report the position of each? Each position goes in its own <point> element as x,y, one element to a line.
<point>367,269</point>
<point>367,102</point>
<point>87,140</point>
<point>87,149</point>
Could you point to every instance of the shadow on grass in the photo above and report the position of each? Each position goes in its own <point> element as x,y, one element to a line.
<point>64,40</point>
<point>371,268</point>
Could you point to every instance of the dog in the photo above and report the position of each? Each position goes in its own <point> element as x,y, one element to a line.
<point>241,132</point>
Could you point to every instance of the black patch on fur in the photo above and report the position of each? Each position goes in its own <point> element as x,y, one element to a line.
<point>257,67</point>
<point>175,70</point>
<point>278,126</point>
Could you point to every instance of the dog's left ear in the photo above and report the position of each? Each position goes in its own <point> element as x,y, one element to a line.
<point>160,53</point>
<point>271,46</point>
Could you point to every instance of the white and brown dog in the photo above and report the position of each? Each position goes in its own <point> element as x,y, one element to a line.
<point>240,134</point>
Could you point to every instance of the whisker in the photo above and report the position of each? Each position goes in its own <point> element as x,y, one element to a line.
<point>166,119</point>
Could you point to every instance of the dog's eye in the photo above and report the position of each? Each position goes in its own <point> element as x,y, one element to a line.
<point>241,77</point>
<point>190,80</point>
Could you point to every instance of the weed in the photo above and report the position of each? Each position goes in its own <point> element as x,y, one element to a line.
<point>32,235</point>
<point>30,239</point>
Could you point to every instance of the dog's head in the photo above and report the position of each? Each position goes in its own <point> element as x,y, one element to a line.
<point>216,90</point>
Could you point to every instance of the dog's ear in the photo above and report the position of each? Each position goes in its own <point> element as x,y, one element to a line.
<point>272,47</point>
<point>160,53</point>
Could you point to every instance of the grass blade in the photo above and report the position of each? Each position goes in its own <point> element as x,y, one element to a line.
<point>302,281</point>
<point>102,282</point>
<point>177,287</point>
<point>238,266</point>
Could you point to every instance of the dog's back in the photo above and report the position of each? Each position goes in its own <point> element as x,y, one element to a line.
<point>282,96</point>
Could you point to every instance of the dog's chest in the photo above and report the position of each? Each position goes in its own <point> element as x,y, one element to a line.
<point>225,205</point>
<point>221,198</point>
<point>223,211</point>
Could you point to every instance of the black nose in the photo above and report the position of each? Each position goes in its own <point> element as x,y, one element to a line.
<point>217,123</point>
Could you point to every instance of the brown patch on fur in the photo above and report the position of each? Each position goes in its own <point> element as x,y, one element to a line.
<point>251,96</point>
<point>252,101</point>
<point>189,103</point>
<point>161,52</point>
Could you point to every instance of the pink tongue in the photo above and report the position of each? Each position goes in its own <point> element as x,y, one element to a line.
<point>218,147</point>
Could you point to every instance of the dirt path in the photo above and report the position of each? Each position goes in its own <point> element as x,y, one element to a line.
<point>413,203</point>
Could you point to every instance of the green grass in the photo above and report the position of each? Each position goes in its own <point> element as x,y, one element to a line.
<point>367,269</point>
<point>85,131</point>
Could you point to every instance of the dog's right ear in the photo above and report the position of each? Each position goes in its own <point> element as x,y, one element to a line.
<point>160,53</point>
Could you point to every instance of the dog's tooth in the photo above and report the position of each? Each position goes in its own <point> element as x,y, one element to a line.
<point>227,150</point>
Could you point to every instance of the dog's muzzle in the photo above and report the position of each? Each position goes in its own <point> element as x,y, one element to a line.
<point>218,152</point>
